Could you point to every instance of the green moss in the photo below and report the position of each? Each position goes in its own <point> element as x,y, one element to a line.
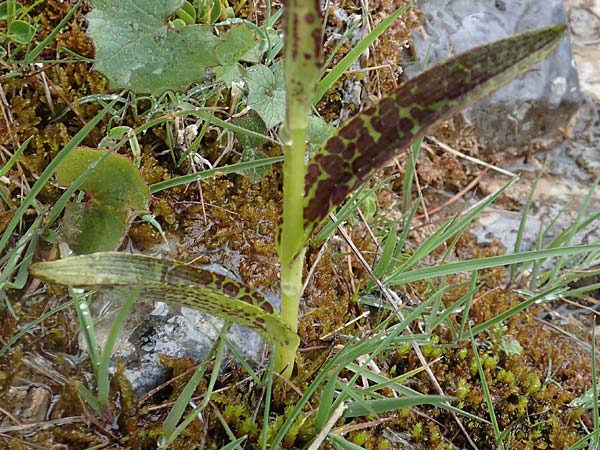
<point>432,349</point>
<point>463,388</point>
<point>383,444</point>
<point>533,383</point>
<point>506,377</point>
<point>417,431</point>
<point>522,405</point>
<point>360,438</point>
<point>489,362</point>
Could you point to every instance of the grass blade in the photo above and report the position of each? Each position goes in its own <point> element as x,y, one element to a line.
<point>524,215</point>
<point>205,174</point>
<point>42,45</point>
<point>14,158</point>
<point>549,293</point>
<point>487,395</point>
<point>383,405</point>
<point>486,263</point>
<point>107,351</point>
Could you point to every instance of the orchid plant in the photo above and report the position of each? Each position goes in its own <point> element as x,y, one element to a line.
<point>311,190</point>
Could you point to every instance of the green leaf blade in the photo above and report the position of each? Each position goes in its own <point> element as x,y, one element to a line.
<point>373,137</point>
<point>175,283</point>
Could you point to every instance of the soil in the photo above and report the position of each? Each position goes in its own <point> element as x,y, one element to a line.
<point>231,221</point>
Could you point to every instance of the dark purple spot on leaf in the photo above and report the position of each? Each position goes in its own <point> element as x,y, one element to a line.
<point>365,141</point>
<point>246,298</point>
<point>266,306</point>
<point>312,174</point>
<point>349,151</point>
<point>316,35</point>
<point>362,165</point>
<point>335,145</point>
<point>405,125</point>
<point>419,114</point>
<point>350,130</point>
<point>339,194</point>
<point>331,163</point>
<point>231,289</point>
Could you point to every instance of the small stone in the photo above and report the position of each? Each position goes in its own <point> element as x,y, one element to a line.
<point>29,403</point>
<point>156,328</point>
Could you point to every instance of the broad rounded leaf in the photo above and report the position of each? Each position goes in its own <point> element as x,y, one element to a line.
<point>117,193</point>
<point>89,228</point>
<point>238,44</point>
<point>137,48</point>
<point>114,182</point>
<point>266,92</point>
<point>21,31</point>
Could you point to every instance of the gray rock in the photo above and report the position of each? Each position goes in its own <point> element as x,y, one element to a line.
<point>572,167</point>
<point>152,329</point>
<point>584,17</point>
<point>531,107</point>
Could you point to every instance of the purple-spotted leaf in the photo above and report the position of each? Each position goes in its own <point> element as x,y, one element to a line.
<point>175,283</point>
<point>373,137</point>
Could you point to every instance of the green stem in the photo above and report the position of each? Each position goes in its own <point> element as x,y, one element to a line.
<point>302,26</point>
<point>292,241</point>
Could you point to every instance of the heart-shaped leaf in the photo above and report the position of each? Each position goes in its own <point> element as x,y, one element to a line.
<point>238,44</point>
<point>266,92</point>
<point>370,139</point>
<point>117,193</point>
<point>137,48</point>
<point>176,283</point>
<point>21,31</point>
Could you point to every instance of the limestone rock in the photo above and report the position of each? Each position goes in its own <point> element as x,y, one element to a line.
<point>532,107</point>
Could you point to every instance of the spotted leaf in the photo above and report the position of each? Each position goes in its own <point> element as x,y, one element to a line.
<point>370,139</point>
<point>175,283</point>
